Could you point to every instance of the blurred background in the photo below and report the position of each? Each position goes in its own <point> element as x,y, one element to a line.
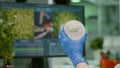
<point>102,23</point>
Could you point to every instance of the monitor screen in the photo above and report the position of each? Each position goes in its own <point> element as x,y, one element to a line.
<point>37,26</point>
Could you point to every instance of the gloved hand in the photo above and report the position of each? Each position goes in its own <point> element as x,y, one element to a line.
<point>73,48</point>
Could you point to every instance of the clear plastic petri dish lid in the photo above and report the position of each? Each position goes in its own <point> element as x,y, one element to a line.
<point>74,29</point>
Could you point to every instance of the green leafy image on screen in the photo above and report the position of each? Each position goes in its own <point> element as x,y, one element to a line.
<point>23,20</point>
<point>61,17</point>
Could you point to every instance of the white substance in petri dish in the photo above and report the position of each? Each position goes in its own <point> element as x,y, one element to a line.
<point>74,29</point>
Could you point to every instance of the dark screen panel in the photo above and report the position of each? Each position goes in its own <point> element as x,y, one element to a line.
<point>37,27</point>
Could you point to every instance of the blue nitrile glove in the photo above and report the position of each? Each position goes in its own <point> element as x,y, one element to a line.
<point>73,48</point>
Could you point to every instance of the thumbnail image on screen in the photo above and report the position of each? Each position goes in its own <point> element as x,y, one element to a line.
<point>23,20</point>
<point>43,28</point>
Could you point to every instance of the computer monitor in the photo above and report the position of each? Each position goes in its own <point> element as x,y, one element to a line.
<point>37,26</point>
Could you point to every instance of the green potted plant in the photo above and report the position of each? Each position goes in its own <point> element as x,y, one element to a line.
<point>97,46</point>
<point>6,39</point>
<point>97,43</point>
